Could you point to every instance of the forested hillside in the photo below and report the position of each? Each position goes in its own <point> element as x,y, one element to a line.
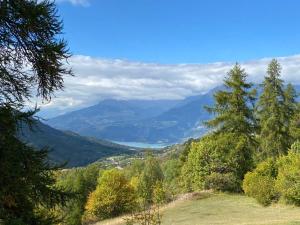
<point>70,148</point>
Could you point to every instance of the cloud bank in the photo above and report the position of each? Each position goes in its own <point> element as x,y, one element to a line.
<point>97,79</point>
<point>76,2</point>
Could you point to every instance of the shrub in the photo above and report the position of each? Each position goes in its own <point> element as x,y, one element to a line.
<point>288,180</point>
<point>222,182</point>
<point>211,158</point>
<point>113,196</point>
<point>260,184</point>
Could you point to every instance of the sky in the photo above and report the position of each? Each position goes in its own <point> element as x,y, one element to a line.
<point>182,31</point>
<point>171,49</point>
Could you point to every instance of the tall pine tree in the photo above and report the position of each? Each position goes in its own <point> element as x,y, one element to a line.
<point>234,106</point>
<point>233,112</point>
<point>275,109</point>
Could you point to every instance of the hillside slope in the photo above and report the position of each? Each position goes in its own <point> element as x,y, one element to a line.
<point>222,209</point>
<point>94,120</point>
<point>70,147</point>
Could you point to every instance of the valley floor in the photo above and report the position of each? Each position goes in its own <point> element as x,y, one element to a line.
<point>223,209</point>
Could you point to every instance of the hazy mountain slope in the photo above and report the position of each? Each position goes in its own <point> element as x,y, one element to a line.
<point>174,125</point>
<point>70,147</point>
<point>93,121</point>
<point>124,121</point>
<point>157,121</point>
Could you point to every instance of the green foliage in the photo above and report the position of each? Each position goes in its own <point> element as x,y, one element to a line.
<point>295,124</point>
<point>296,147</point>
<point>31,59</point>
<point>222,182</point>
<point>288,179</point>
<point>276,108</point>
<point>184,154</point>
<point>260,184</point>
<point>135,169</point>
<point>172,170</point>
<point>159,193</point>
<point>151,174</point>
<point>113,196</point>
<point>276,178</point>
<point>230,149</point>
<point>27,179</point>
<point>234,106</point>
<point>29,37</point>
<point>81,181</point>
<point>215,155</point>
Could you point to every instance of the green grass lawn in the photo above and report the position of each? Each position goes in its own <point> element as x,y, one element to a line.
<point>225,209</point>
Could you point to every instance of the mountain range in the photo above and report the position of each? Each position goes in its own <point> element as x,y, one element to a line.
<point>146,121</point>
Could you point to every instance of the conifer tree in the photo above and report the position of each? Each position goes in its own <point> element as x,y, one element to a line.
<point>32,59</point>
<point>276,107</point>
<point>290,103</point>
<point>234,105</point>
<point>291,114</point>
<point>295,125</point>
<point>233,112</point>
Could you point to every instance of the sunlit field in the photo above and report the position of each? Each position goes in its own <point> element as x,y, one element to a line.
<point>224,209</point>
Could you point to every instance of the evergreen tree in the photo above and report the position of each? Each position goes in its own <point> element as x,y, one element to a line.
<point>295,124</point>
<point>27,184</point>
<point>291,114</point>
<point>31,56</point>
<point>234,106</point>
<point>290,103</point>
<point>233,111</point>
<point>31,52</point>
<point>276,107</point>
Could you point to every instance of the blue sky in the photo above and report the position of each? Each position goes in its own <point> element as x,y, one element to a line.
<point>182,31</point>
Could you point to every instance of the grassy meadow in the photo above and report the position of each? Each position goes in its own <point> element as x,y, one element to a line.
<point>223,209</point>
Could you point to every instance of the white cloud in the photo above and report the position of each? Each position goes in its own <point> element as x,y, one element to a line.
<point>76,2</point>
<point>96,79</point>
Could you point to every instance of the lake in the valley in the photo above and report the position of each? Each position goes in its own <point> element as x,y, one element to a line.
<point>142,145</point>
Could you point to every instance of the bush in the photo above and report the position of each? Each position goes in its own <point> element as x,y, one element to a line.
<point>222,182</point>
<point>273,179</point>
<point>288,180</point>
<point>216,159</point>
<point>260,184</point>
<point>113,196</point>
